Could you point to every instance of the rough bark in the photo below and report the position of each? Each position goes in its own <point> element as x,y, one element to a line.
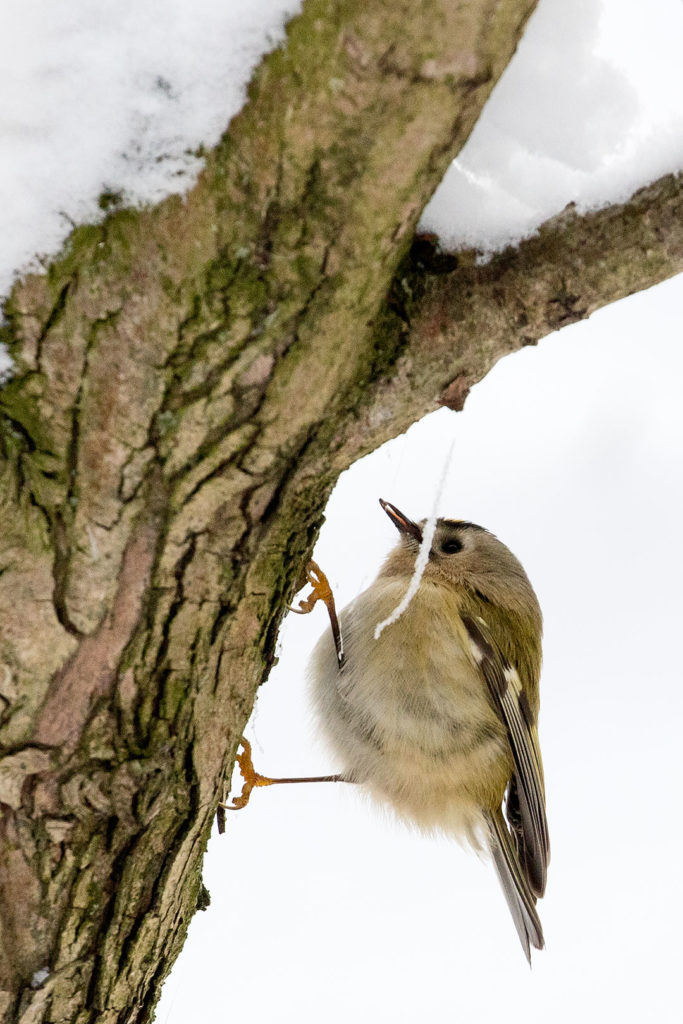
<point>457,318</point>
<point>190,381</point>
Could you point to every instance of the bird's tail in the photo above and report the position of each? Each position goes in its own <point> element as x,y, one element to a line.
<point>519,898</point>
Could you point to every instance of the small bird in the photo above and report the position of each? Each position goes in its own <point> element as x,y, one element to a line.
<point>436,714</point>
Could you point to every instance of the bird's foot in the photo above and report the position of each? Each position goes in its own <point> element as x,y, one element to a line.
<point>250,778</point>
<point>322,591</point>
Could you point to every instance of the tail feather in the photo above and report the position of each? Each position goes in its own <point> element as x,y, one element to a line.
<point>519,898</point>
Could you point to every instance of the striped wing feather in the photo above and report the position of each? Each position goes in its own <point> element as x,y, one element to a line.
<point>520,846</point>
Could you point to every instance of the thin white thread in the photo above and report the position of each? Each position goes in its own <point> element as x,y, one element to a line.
<point>422,555</point>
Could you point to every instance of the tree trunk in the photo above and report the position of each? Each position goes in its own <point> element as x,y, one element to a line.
<point>190,380</point>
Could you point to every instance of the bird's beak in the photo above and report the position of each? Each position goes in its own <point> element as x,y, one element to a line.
<point>401,522</point>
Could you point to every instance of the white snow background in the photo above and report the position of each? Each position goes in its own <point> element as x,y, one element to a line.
<point>571,452</point>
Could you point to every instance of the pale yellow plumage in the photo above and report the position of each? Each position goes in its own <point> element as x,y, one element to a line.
<point>437,717</point>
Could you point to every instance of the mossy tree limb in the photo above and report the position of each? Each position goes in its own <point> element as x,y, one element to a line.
<point>456,318</point>
<point>190,381</point>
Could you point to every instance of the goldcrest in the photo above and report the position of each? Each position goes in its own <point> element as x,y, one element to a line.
<point>437,714</point>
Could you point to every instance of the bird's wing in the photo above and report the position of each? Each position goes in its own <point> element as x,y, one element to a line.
<point>525,806</point>
<point>520,900</point>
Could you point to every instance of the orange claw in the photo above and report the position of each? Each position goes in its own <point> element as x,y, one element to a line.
<point>250,776</point>
<point>252,779</point>
<point>322,591</point>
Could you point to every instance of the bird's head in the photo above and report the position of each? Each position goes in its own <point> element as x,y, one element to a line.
<point>462,555</point>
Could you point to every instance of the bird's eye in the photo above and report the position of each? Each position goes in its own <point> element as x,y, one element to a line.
<point>451,546</point>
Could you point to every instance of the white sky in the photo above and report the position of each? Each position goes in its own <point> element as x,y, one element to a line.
<point>570,452</point>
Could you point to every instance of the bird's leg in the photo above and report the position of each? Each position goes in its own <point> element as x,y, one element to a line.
<point>252,779</point>
<point>322,591</point>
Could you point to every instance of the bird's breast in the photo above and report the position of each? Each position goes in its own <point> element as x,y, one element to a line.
<point>409,712</point>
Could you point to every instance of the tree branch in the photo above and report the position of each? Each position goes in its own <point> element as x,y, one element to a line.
<point>190,381</point>
<point>454,319</point>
